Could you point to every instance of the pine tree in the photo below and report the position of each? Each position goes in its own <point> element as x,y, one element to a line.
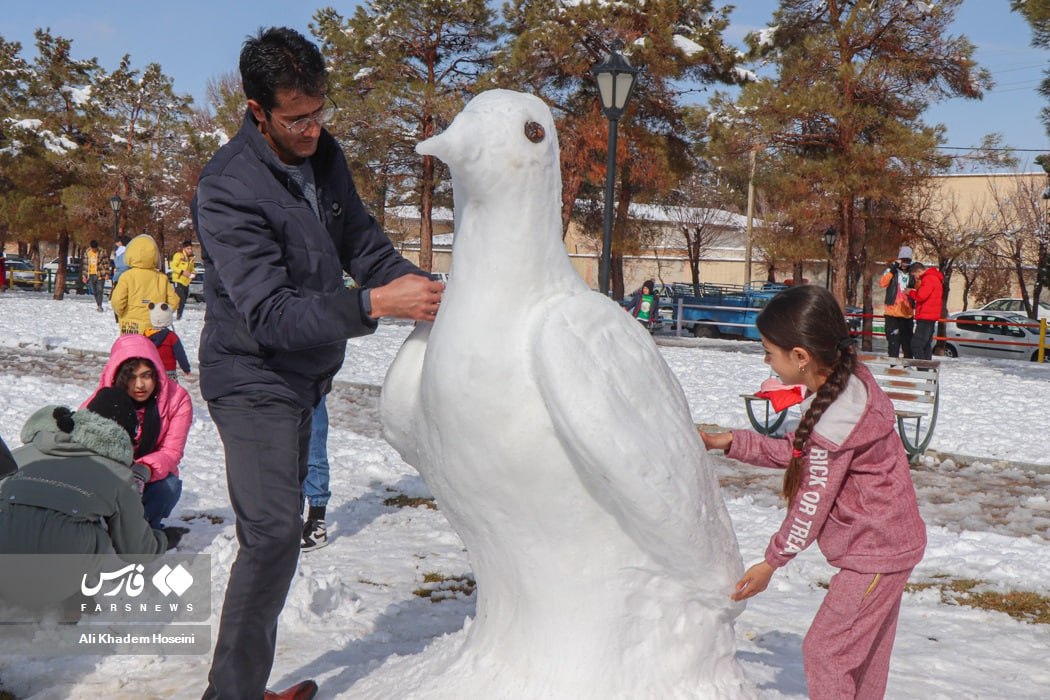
<point>147,130</point>
<point>1037,14</point>
<point>53,163</point>
<point>678,44</point>
<point>844,112</point>
<point>399,72</point>
<point>14,77</point>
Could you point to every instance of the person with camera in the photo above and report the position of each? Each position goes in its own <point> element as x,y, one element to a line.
<point>899,310</point>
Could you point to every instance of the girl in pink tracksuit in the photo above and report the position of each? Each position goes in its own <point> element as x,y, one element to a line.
<point>849,488</point>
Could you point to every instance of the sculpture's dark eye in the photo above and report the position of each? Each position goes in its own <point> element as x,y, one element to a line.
<point>534,132</point>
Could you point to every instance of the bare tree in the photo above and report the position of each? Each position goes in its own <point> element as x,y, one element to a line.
<point>701,227</point>
<point>984,275</point>
<point>951,231</point>
<point>1021,222</point>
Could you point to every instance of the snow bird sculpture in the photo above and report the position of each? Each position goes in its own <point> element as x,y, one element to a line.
<point>560,447</point>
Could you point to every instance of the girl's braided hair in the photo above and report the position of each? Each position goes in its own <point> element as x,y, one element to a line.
<point>809,317</point>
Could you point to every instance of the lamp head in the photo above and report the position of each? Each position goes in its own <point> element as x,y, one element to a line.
<point>616,78</point>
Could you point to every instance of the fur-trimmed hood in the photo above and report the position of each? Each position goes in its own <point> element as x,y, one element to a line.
<point>92,434</point>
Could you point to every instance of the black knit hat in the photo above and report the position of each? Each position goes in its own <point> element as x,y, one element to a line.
<point>116,405</point>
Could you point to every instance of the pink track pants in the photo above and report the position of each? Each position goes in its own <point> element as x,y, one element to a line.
<point>846,653</point>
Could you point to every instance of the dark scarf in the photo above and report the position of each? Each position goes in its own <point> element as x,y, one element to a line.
<point>150,429</point>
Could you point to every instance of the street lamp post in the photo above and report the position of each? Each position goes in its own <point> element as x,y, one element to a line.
<point>115,203</point>
<point>1046,205</point>
<point>616,79</point>
<point>829,241</point>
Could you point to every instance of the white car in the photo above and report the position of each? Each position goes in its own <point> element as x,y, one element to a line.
<point>1002,334</point>
<point>197,283</point>
<point>22,274</point>
<point>52,265</point>
<point>1016,306</point>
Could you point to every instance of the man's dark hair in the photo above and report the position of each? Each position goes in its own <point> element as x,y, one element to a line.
<point>280,58</point>
<point>187,244</point>
<point>124,240</point>
<point>93,244</point>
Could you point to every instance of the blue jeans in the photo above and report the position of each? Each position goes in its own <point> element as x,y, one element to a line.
<point>159,499</point>
<point>96,286</point>
<point>315,488</point>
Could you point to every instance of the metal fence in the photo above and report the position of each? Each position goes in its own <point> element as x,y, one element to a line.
<point>741,322</point>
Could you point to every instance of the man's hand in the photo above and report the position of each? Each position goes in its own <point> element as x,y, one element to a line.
<point>754,581</point>
<point>412,297</point>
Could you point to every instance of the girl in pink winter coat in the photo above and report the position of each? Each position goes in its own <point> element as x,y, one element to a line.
<point>165,414</point>
<point>848,487</point>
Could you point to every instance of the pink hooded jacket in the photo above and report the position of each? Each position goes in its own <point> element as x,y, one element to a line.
<point>173,404</point>
<point>857,499</point>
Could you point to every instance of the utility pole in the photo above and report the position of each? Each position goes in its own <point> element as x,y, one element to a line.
<point>750,215</point>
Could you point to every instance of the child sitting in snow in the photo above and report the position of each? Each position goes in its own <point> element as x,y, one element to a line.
<point>167,341</point>
<point>848,487</point>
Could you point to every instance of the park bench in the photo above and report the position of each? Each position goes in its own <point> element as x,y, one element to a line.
<point>912,385</point>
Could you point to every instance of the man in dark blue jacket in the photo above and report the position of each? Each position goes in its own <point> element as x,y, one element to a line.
<point>279,220</point>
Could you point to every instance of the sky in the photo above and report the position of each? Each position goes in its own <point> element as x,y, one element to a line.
<point>195,41</point>
<point>352,619</point>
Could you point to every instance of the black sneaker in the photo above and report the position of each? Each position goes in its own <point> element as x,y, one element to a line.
<point>315,535</point>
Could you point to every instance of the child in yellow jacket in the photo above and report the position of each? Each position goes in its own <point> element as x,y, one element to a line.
<point>140,285</point>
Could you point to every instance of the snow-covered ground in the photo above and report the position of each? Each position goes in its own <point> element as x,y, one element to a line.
<point>982,489</point>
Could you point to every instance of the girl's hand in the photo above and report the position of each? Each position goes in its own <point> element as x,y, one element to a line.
<point>754,581</point>
<point>717,441</point>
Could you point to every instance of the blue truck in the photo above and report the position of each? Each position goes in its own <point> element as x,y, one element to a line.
<point>727,310</point>
<point>715,310</point>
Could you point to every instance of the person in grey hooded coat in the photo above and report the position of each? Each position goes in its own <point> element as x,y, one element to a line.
<point>73,494</point>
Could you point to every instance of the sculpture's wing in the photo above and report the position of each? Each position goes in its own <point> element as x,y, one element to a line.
<point>622,416</point>
<point>399,408</point>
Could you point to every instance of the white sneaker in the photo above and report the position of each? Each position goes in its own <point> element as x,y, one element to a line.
<point>315,535</point>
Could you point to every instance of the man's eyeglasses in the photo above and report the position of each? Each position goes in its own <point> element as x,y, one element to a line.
<point>299,126</point>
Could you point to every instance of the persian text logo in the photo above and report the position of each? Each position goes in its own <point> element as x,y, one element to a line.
<point>169,580</point>
<point>131,581</point>
<point>129,578</point>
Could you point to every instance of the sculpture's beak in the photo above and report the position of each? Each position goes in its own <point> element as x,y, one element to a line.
<point>437,146</point>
